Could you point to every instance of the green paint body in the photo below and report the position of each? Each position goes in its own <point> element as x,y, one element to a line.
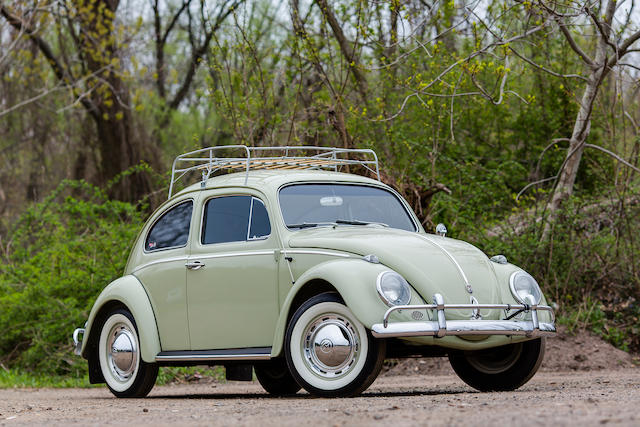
<point>243,296</point>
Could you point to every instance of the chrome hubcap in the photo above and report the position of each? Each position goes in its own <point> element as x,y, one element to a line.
<point>122,352</point>
<point>330,346</point>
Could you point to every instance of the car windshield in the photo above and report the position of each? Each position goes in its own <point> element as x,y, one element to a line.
<point>311,205</point>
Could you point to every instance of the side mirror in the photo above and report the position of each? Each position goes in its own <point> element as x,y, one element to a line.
<point>441,230</point>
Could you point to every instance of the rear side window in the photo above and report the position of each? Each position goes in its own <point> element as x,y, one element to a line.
<point>234,219</point>
<point>172,229</point>
<point>260,227</point>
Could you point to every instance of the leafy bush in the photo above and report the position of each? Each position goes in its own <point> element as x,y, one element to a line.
<point>588,266</point>
<point>57,258</point>
<point>60,254</point>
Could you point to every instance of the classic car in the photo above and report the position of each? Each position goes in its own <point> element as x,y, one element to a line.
<point>310,277</point>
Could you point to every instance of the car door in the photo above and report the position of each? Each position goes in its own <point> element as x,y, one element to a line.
<point>232,289</point>
<point>162,272</point>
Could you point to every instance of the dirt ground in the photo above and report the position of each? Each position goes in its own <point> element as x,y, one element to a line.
<point>584,351</point>
<point>584,381</point>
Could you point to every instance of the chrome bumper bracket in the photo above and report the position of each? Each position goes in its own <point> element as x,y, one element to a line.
<point>442,327</point>
<point>77,340</point>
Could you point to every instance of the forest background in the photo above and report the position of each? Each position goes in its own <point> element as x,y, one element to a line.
<point>515,123</point>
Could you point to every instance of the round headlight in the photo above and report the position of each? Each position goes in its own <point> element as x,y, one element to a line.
<point>393,289</point>
<point>524,286</point>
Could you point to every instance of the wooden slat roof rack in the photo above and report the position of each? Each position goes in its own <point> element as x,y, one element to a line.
<point>207,160</point>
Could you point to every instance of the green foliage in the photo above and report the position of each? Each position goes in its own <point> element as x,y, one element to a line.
<point>589,267</point>
<point>58,257</point>
<point>12,378</point>
<point>261,82</point>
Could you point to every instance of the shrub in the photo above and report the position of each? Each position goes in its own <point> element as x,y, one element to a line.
<point>588,266</point>
<point>57,258</point>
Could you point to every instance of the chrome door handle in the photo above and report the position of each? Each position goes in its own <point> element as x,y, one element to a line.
<point>194,265</point>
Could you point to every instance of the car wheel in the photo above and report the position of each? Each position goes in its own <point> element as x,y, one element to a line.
<point>124,371</point>
<point>328,351</point>
<point>275,378</point>
<point>502,368</point>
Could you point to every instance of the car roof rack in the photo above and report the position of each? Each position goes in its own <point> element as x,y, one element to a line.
<point>209,161</point>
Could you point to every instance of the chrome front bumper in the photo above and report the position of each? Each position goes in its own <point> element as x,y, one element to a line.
<point>442,327</point>
<point>77,340</point>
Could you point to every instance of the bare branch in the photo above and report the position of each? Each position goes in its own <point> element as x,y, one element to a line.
<point>604,28</point>
<point>33,99</point>
<point>614,155</point>
<point>497,43</point>
<point>546,70</point>
<point>553,142</point>
<point>626,64</point>
<point>574,45</point>
<point>58,69</point>
<point>540,181</point>
<point>347,51</point>
<point>624,47</point>
<point>198,53</point>
<point>631,119</point>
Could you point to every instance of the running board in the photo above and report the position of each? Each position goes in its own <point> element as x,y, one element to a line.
<point>253,353</point>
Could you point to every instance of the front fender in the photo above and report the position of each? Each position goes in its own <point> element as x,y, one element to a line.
<point>129,292</point>
<point>355,281</point>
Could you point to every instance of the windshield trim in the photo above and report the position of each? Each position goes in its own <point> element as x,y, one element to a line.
<point>403,202</point>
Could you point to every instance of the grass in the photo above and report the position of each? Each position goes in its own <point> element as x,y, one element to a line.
<point>11,378</point>
<point>17,379</point>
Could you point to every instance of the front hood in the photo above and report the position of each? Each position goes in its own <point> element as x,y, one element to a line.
<point>431,264</point>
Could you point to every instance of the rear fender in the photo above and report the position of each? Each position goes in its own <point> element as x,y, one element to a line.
<point>126,291</point>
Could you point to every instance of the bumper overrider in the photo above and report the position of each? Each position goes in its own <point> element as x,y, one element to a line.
<point>78,336</point>
<point>442,327</point>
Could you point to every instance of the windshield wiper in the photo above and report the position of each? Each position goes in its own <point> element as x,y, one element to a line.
<point>356,222</point>
<point>310,224</point>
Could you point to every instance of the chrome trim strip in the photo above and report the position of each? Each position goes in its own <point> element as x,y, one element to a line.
<point>195,357</point>
<point>311,252</point>
<point>451,257</point>
<point>159,261</point>
<point>231,254</point>
<point>250,217</point>
<point>195,256</point>
<point>463,327</point>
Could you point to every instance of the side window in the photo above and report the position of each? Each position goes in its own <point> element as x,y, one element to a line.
<point>172,229</point>
<point>226,219</point>
<point>234,219</point>
<point>260,227</point>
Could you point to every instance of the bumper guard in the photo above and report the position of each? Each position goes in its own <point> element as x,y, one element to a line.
<point>442,327</point>
<point>77,340</point>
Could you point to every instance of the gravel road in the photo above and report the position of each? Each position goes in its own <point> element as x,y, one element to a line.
<point>559,398</point>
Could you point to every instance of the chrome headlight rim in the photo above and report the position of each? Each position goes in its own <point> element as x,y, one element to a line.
<point>512,285</point>
<point>381,293</point>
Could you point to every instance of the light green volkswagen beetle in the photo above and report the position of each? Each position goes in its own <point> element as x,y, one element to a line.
<point>310,277</point>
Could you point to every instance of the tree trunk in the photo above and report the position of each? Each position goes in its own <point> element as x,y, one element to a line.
<point>581,128</point>
<point>118,148</point>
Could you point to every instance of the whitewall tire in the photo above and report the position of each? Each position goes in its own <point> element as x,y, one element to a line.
<point>122,367</point>
<point>328,351</point>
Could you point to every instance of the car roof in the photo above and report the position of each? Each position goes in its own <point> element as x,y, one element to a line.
<point>271,180</point>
